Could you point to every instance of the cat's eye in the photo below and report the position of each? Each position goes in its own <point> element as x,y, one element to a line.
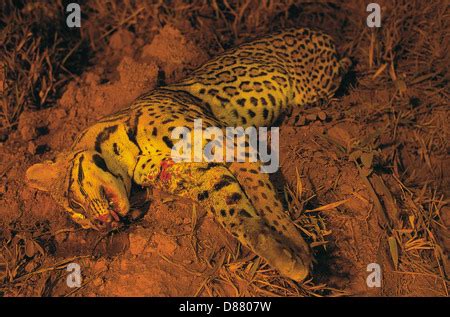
<point>75,205</point>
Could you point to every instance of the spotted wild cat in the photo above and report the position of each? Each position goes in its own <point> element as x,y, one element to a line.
<point>250,85</point>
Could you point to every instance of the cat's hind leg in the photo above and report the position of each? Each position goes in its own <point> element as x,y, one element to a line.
<point>263,197</point>
<point>215,186</point>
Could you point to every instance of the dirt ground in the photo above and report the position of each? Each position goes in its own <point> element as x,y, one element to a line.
<point>366,178</point>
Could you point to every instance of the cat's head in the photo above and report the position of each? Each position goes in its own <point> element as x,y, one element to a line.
<point>84,186</point>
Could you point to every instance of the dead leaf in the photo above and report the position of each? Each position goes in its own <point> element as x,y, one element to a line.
<point>367,159</point>
<point>393,249</point>
<point>329,206</point>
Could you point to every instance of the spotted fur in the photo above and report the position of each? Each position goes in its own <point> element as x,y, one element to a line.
<point>255,83</point>
<point>251,85</point>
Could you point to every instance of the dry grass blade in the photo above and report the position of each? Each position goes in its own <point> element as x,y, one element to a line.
<point>329,206</point>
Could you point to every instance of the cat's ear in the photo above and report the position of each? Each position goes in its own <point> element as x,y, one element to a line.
<point>42,176</point>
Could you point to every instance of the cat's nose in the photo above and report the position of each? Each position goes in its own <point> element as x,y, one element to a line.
<point>107,221</point>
